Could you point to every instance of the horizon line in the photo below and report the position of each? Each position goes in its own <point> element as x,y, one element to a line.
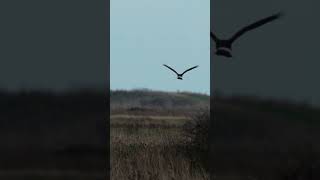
<point>159,90</point>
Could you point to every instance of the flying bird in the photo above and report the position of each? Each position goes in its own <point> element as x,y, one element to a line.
<point>224,46</point>
<point>179,76</point>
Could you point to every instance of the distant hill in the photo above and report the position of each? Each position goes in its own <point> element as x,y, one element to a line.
<point>149,98</point>
<point>249,104</point>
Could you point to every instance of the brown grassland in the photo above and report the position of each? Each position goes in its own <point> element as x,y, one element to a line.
<point>157,136</point>
<point>148,142</point>
<point>250,137</point>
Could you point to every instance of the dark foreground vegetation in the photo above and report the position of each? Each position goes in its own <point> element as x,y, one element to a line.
<point>47,135</point>
<point>156,135</point>
<point>265,139</point>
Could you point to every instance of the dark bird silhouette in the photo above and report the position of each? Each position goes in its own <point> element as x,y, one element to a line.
<point>224,46</point>
<point>179,76</point>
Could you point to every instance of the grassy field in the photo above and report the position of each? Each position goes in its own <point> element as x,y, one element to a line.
<point>250,137</point>
<point>148,141</point>
<point>157,136</point>
<point>151,147</point>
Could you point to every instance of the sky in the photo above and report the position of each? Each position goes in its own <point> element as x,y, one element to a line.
<point>44,45</point>
<point>278,60</point>
<point>53,44</point>
<point>146,34</point>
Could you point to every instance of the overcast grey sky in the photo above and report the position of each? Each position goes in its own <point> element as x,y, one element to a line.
<point>146,34</point>
<point>53,44</point>
<point>281,59</point>
<point>62,44</point>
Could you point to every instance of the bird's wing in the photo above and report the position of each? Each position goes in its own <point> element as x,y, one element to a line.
<point>213,36</point>
<point>171,69</point>
<point>189,69</point>
<point>255,25</point>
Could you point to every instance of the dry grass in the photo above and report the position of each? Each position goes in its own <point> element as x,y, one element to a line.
<point>125,120</point>
<point>143,150</point>
<point>251,138</point>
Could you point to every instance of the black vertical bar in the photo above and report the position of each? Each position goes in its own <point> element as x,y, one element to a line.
<point>108,141</point>
<point>54,89</point>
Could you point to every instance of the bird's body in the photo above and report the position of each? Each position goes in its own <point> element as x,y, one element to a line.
<point>179,76</point>
<point>224,46</point>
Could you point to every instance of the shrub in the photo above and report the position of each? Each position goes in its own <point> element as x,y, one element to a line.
<point>196,135</point>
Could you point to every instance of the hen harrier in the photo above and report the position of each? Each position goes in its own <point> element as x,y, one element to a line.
<point>179,76</point>
<point>224,46</point>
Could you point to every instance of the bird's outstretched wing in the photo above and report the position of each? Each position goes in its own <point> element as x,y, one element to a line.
<point>213,36</point>
<point>171,69</point>
<point>255,25</point>
<point>189,69</point>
